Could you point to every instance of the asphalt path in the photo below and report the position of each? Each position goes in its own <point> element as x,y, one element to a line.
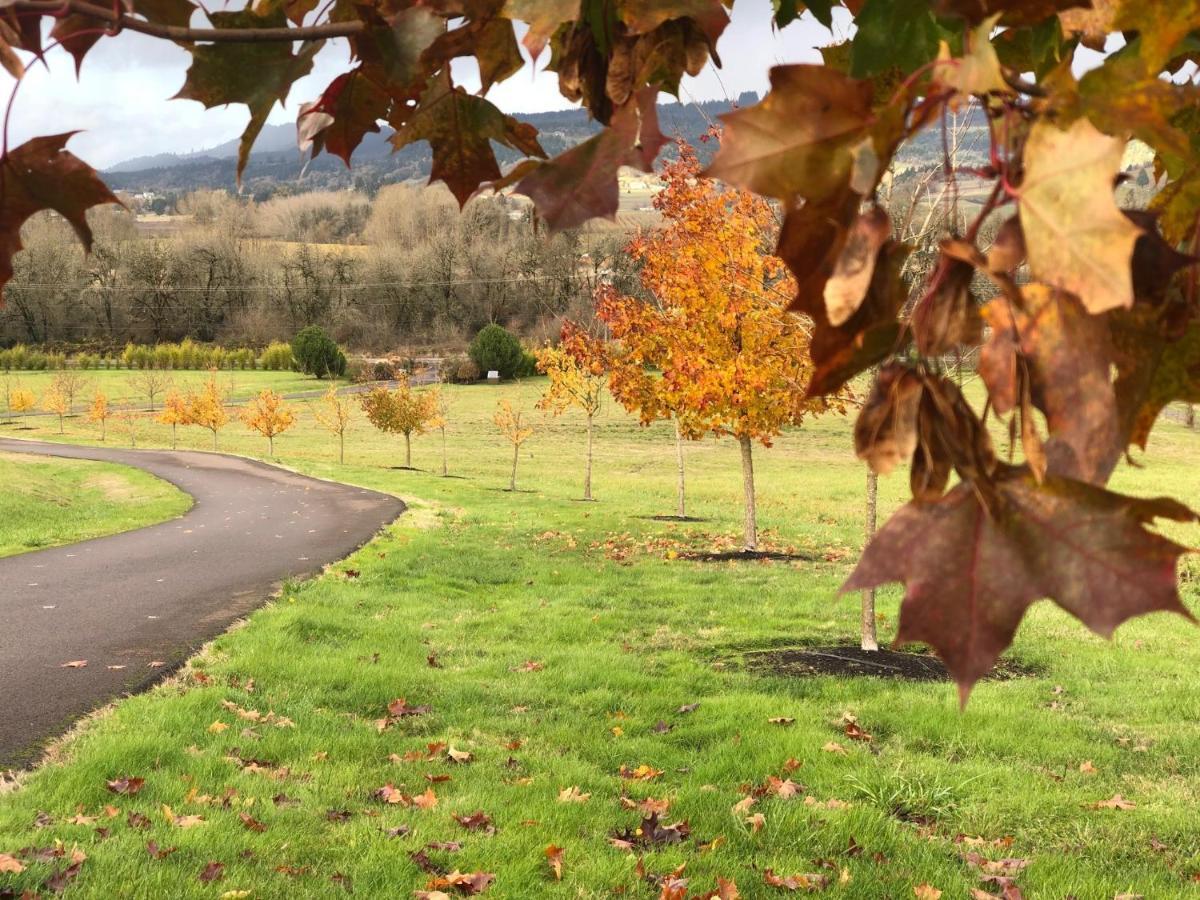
<point>136,605</point>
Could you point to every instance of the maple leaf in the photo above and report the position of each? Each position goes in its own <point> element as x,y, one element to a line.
<point>1154,368</point>
<point>572,795</point>
<point>1076,237</point>
<point>258,74</point>
<point>476,821</point>
<point>804,882</point>
<point>459,128</point>
<point>977,72</point>
<point>1067,356</point>
<point>126,785</point>
<point>213,871</point>
<point>39,175</point>
<point>885,433</point>
<point>348,109</point>
<point>554,857</point>
<point>11,864</point>
<point>796,142</point>
<point>1116,801</point>
<point>851,276</point>
<point>581,183</point>
<point>971,572</point>
<point>544,17</point>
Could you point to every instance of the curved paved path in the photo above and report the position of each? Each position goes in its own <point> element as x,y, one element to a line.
<point>159,592</point>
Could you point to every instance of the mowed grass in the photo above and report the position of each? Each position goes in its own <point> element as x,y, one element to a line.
<point>121,387</point>
<point>561,634</point>
<point>48,502</point>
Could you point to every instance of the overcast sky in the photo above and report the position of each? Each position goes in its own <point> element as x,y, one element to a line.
<point>121,104</point>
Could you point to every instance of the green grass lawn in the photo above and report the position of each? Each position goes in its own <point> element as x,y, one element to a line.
<point>550,638</point>
<point>121,387</point>
<point>49,502</point>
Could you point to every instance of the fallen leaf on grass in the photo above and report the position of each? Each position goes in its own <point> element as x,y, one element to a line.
<point>74,664</point>
<point>250,823</point>
<point>756,822</point>
<point>641,773</point>
<point>11,864</point>
<point>158,852</point>
<point>458,756</point>
<point>59,880</point>
<point>214,871</point>
<point>804,882</point>
<point>834,747</point>
<point>217,727</point>
<point>476,821</point>
<point>572,795</point>
<point>781,720</point>
<point>554,857</point>
<point>742,805</point>
<point>1116,801</point>
<point>463,882</point>
<point>1087,768</point>
<point>926,891</point>
<point>688,708</point>
<point>530,665</point>
<point>126,785</point>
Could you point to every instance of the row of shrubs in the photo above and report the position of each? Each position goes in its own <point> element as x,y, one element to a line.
<point>493,349</point>
<point>187,354</point>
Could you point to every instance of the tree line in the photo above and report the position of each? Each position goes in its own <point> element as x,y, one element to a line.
<point>402,270</point>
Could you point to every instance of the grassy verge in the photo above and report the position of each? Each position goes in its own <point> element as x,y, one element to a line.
<point>558,642</point>
<point>49,502</point>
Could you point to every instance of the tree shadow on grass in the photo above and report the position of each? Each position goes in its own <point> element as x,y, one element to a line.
<point>851,660</point>
<point>748,556</point>
<point>672,519</point>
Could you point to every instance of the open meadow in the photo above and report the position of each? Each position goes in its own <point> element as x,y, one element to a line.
<point>499,676</point>
<point>50,502</point>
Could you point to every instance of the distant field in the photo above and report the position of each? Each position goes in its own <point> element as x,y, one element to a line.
<point>120,386</point>
<point>47,502</point>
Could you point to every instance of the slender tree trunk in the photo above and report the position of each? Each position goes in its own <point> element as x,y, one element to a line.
<point>587,472</point>
<point>680,494</point>
<point>445,465</point>
<point>512,481</point>
<point>341,448</point>
<point>408,451</point>
<point>103,428</point>
<point>173,435</point>
<point>270,445</point>
<point>747,446</point>
<point>60,423</point>
<point>214,439</point>
<point>869,639</point>
<point>1191,416</point>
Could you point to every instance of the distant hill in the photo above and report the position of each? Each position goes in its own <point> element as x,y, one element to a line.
<point>276,167</point>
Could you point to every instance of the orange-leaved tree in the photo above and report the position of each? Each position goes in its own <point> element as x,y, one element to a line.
<point>516,429</point>
<point>55,401</point>
<point>99,412</point>
<point>733,360</point>
<point>440,405</point>
<point>269,415</point>
<point>206,407</point>
<point>576,372</point>
<point>21,401</point>
<point>400,411</point>
<point>334,415</point>
<point>176,411</point>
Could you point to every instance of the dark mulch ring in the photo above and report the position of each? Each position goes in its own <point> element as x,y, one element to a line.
<point>749,556</point>
<point>852,660</point>
<point>671,518</point>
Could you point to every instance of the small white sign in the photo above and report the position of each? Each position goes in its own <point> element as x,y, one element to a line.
<point>493,375</point>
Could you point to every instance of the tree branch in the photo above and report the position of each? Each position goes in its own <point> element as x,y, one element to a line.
<point>125,22</point>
